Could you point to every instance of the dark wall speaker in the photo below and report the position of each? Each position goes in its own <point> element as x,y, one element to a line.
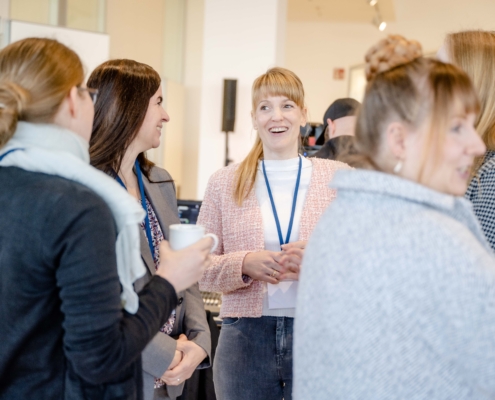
<point>229,96</point>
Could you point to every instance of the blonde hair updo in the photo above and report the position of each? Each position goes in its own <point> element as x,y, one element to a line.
<point>404,86</point>
<point>35,76</point>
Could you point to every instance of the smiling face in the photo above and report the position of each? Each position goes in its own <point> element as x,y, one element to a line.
<point>449,169</point>
<point>278,120</point>
<point>149,133</point>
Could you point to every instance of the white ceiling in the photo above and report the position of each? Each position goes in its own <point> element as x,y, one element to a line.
<point>338,10</point>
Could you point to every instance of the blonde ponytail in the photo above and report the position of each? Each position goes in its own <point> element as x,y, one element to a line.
<point>13,99</point>
<point>245,174</point>
<point>275,82</point>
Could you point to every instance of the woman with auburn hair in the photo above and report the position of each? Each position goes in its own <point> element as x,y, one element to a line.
<point>474,52</point>
<point>129,116</point>
<point>72,325</point>
<point>405,291</point>
<point>262,209</point>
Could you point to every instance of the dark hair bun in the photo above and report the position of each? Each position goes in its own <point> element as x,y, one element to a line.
<point>390,52</point>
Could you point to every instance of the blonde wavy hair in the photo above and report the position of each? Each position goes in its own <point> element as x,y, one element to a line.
<point>404,85</point>
<point>275,82</point>
<point>474,52</point>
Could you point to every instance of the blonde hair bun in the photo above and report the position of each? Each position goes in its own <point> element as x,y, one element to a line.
<point>390,52</point>
<point>13,100</point>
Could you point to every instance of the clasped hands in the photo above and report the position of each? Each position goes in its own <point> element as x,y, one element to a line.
<point>272,266</point>
<point>188,356</point>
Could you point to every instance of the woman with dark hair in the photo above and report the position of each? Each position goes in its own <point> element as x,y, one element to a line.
<point>72,326</point>
<point>128,120</point>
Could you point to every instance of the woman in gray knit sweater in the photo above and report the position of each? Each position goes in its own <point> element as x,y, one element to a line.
<point>405,286</point>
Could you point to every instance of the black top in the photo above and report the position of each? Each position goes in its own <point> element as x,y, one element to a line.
<point>336,148</point>
<point>63,331</point>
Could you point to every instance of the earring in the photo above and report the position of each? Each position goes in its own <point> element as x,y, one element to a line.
<point>398,167</point>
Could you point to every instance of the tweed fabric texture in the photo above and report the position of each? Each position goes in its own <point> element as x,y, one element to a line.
<point>481,193</point>
<point>240,231</point>
<point>401,303</point>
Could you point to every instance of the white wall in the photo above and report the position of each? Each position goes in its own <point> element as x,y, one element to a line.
<point>313,50</point>
<point>193,64</point>
<point>241,40</point>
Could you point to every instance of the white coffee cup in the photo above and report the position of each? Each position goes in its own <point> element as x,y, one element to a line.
<point>185,235</point>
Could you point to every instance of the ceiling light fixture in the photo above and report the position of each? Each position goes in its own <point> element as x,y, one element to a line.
<point>377,19</point>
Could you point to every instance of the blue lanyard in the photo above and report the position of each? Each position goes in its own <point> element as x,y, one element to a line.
<point>143,203</point>
<point>294,201</point>
<point>8,152</point>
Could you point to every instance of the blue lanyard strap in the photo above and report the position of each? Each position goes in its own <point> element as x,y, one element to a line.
<point>143,203</point>
<point>8,152</point>
<point>294,201</point>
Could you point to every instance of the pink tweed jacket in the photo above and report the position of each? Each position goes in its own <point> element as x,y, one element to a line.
<point>240,231</point>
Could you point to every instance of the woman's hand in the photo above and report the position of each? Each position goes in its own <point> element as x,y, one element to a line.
<point>193,355</point>
<point>262,266</point>
<point>185,267</point>
<point>176,360</point>
<point>291,260</point>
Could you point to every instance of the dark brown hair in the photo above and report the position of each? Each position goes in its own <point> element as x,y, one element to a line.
<point>35,77</point>
<point>411,89</point>
<point>125,88</point>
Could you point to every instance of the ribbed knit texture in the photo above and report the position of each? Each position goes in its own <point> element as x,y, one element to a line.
<point>240,231</point>
<point>400,304</point>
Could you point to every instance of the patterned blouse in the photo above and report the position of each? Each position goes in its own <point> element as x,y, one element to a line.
<point>157,237</point>
<point>481,192</point>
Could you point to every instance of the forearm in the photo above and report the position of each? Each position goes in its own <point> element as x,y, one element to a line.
<point>103,354</point>
<point>225,274</point>
<point>158,354</point>
<point>196,326</point>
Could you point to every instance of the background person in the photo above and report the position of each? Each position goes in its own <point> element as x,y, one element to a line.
<point>275,196</point>
<point>474,52</point>
<point>69,243</point>
<point>339,126</point>
<point>399,304</point>
<point>129,117</point>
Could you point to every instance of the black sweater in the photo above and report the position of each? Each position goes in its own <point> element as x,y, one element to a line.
<point>63,332</point>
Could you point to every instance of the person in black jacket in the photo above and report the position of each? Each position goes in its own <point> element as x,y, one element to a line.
<point>71,325</point>
<point>339,123</point>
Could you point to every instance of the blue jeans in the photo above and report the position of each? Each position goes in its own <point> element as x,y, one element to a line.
<point>253,360</point>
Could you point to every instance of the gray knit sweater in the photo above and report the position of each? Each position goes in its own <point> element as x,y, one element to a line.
<point>397,297</point>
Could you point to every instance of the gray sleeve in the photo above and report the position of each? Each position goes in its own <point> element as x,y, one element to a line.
<point>195,324</point>
<point>158,354</point>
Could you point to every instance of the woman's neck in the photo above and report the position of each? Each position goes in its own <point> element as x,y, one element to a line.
<point>127,174</point>
<point>286,154</point>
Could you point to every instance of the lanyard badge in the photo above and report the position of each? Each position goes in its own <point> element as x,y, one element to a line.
<point>274,209</point>
<point>143,203</point>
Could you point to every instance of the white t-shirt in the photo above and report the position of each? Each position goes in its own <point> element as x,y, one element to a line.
<point>282,175</point>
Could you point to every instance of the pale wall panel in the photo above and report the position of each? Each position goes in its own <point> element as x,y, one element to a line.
<point>136,30</point>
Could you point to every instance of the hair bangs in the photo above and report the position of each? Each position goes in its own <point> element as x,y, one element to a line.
<point>278,82</point>
<point>453,94</point>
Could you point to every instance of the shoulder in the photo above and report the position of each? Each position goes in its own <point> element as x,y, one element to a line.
<point>159,174</point>
<point>57,199</point>
<point>486,172</point>
<point>224,176</point>
<point>324,170</point>
<point>324,165</point>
